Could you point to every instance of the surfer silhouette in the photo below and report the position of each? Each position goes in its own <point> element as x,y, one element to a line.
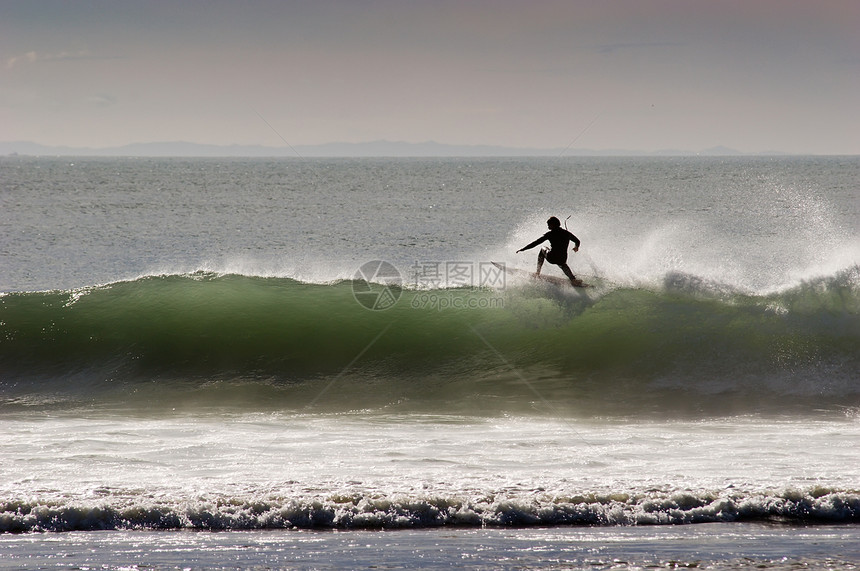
<point>559,239</point>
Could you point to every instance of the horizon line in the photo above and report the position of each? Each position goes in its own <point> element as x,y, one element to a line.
<point>376,148</point>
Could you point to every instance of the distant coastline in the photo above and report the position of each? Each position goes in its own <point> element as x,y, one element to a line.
<point>368,149</point>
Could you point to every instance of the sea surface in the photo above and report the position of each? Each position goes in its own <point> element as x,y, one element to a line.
<point>312,363</point>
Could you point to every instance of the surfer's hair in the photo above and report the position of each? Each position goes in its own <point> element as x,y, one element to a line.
<point>553,222</point>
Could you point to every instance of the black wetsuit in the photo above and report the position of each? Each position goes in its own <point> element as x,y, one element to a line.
<point>559,240</point>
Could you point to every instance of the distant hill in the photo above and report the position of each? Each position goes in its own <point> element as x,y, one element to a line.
<point>368,149</point>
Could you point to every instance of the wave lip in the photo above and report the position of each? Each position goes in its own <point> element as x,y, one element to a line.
<point>375,511</point>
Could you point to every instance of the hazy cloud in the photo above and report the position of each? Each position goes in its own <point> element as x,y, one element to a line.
<point>36,57</point>
<point>102,100</point>
<point>635,46</point>
<point>29,57</point>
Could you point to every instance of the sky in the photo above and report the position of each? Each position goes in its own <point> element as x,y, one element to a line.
<point>753,75</point>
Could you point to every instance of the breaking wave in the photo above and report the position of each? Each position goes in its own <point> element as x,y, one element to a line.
<point>356,511</point>
<point>236,340</point>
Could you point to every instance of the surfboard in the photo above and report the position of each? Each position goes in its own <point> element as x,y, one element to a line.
<point>551,279</point>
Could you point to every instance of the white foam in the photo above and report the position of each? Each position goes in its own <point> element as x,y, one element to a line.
<point>359,470</point>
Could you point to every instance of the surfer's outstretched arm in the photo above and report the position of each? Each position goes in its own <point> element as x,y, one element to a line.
<point>532,245</point>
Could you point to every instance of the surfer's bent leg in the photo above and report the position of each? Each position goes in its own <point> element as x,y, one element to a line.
<point>541,258</point>
<point>566,269</point>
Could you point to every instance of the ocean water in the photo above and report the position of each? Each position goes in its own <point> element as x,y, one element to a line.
<point>312,363</point>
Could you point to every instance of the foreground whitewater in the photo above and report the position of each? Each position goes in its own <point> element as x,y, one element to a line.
<point>382,471</point>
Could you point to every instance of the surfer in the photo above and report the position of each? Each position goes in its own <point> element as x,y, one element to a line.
<point>559,239</point>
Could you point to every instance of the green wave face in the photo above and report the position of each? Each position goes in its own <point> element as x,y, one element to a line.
<point>240,341</point>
